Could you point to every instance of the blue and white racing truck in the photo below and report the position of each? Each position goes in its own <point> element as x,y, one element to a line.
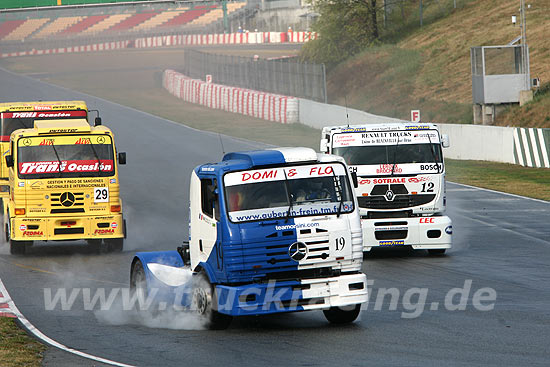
<point>270,231</point>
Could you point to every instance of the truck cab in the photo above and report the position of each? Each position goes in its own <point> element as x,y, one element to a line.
<point>280,222</point>
<point>401,176</point>
<point>22,115</point>
<point>63,185</point>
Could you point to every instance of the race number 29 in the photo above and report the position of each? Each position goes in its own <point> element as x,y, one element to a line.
<point>101,194</point>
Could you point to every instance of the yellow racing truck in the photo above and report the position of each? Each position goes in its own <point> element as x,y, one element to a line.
<point>63,185</point>
<point>22,115</point>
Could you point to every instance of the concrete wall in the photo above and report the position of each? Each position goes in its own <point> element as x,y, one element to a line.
<point>473,142</point>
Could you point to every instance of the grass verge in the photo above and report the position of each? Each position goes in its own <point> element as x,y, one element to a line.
<point>531,182</point>
<point>16,347</point>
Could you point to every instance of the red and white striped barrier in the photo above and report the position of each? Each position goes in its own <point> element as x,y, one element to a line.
<point>267,106</point>
<point>5,309</point>
<point>105,46</point>
<point>224,39</point>
<point>178,40</point>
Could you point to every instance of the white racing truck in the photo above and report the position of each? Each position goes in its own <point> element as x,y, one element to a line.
<point>401,176</point>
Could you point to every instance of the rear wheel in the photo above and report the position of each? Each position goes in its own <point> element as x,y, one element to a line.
<point>114,244</point>
<point>345,315</point>
<point>138,282</point>
<point>436,251</point>
<point>204,303</point>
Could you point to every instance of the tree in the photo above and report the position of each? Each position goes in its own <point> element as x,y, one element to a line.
<point>345,28</point>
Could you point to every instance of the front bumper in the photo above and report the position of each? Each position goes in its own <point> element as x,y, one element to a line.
<point>417,232</point>
<point>67,228</point>
<point>289,296</point>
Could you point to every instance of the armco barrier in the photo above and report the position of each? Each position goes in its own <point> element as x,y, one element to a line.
<point>175,40</point>
<point>224,39</point>
<point>261,105</point>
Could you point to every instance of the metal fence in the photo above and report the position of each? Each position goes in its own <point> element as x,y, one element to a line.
<point>280,76</point>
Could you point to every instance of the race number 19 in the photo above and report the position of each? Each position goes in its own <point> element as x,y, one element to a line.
<point>101,194</point>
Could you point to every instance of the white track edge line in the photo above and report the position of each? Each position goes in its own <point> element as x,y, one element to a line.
<point>38,334</point>
<point>500,192</point>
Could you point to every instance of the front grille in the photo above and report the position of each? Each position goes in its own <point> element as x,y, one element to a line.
<point>391,235</point>
<point>400,201</point>
<point>68,231</point>
<point>67,202</point>
<point>70,210</point>
<point>398,189</point>
<point>302,274</point>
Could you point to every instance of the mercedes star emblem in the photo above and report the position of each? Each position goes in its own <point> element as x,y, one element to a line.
<point>297,251</point>
<point>67,199</point>
<point>389,195</point>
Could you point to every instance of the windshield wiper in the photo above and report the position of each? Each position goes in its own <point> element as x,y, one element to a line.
<point>339,188</point>
<point>395,156</point>
<point>432,150</point>
<point>98,160</point>
<point>289,195</point>
<point>58,159</point>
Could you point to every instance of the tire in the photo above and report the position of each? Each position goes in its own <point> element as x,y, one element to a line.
<point>203,301</point>
<point>16,247</point>
<point>138,282</point>
<point>437,251</point>
<point>337,315</point>
<point>19,247</point>
<point>95,245</point>
<point>114,244</point>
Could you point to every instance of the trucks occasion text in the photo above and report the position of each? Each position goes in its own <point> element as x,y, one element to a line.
<point>401,175</point>
<point>269,231</point>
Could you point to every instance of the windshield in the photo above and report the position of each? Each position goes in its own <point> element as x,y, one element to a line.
<point>389,154</point>
<point>65,156</point>
<point>12,121</point>
<point>412,152</point>
<point>307,190</point>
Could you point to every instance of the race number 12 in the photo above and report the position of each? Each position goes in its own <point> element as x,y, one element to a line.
<point>101,194</point>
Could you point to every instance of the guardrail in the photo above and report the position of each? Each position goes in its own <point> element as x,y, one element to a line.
<point>281,76</point>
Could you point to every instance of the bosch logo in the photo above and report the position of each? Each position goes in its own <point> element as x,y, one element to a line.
<point>67,199</point>
<point>297,251</point>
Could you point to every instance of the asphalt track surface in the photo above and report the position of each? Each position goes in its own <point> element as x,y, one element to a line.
<point>500,242</point>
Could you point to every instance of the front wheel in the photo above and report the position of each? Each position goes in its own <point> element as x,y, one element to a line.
<point>338,315</point>
<point>19,247</point>
<point>114,244</point>
<point>204,303</point>
<point>436,251</point>
<point>138,281</point>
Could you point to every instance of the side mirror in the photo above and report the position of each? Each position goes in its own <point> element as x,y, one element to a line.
<point>445,142</point>
<point>323,146</point>
<point>121,158</point>
<point>354,179</point>
<point>97,121</point>
<point>9,161</point>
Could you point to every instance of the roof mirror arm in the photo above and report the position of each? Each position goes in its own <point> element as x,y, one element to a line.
<point>97,121</point>
<point>433,152</point>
